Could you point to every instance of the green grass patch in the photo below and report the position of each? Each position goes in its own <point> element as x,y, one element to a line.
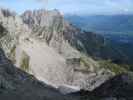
<point>84,61</point>
<point>24,64</point>
<point>88,63</point>
<point>117,69</point>
<point>13,54</point>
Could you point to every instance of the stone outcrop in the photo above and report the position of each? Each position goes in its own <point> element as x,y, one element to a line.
<point>51,27</point>
<point>49,43</point>
<point>16,84</point>
<point>12,27</point>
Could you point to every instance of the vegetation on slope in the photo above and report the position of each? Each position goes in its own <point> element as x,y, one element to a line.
<point>88,63</point>
<point>13,54</point>
<point>117,69</point>
<point>24,64</point>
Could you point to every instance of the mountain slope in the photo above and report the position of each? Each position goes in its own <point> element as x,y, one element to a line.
<point>48,50</point>
<point>16,84</point>
<point>117,32</point>
<point>43,44</point>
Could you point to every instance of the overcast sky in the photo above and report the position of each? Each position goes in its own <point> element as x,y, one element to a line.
<point>73,6</point>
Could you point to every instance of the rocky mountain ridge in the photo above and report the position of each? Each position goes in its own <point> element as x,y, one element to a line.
<point>43,44</point>
<point>49,52</point>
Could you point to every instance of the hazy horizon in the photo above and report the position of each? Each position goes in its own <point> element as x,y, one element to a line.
<point>80,7</point>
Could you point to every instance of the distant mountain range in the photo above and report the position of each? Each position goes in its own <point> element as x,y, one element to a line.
<point>103,23</point>
<point>116,29</point>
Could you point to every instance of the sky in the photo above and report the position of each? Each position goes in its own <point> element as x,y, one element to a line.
<point>79,7</point>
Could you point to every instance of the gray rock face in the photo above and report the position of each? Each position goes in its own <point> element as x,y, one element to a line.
<point>45,24</point>
<point>51,27</point>
<point>90,81</point>
<point>12,27</point>
<point>44,44</point>
<point>48,41</point>
<point>60,34</point>
<point>16,84</point>
<point>41,18</point>
<point>7,13</point>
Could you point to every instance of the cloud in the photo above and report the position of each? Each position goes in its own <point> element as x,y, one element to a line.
<point>45,1</point>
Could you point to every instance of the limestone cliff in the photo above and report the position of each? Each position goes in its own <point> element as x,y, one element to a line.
<point>42,43</point>
<point>16,84</point>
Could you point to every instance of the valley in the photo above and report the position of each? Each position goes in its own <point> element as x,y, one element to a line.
<point>116,30</point>
<point>51,58</point>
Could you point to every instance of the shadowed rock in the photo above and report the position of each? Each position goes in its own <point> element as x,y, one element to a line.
<point>16,84</point>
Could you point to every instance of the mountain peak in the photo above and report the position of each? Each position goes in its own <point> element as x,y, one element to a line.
<point>6,12</point>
